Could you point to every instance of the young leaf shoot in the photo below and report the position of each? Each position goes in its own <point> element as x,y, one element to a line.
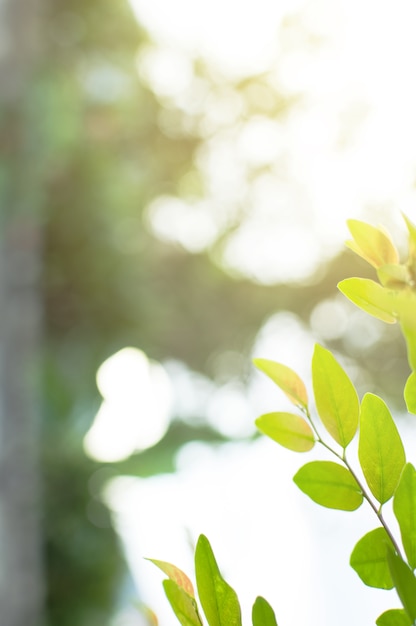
<point>371,298</point>
<point>372,244</point>
<point>285,378</point>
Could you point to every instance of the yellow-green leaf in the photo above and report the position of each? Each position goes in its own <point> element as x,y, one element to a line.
<point>394,276</point>
<point>369,559</point>
<point>329,484</point>
<point>218,599</point>
<point>394,617</point>
<point>412,245</point>
<point>285,378</point>
<point>335,396</point>
<point>409,333</point>
<point>174,573</point>
<point>380,448</point>
<point>410,393</point>
<point>183,605</point>
<point>406,309</point>
<point>371,298</point>
<point>405,583</point>
<point>372,244</point>
<point>404,506</point>
<point>290,430</point>
<point>263,614</point>
<point>148,614</point>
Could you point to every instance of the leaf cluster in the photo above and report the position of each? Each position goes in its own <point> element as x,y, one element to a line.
<point>218,600</point>
<point>393,298</point>
<point>379,558</point>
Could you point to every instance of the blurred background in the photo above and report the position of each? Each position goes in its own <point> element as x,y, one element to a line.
<point>175,179</point>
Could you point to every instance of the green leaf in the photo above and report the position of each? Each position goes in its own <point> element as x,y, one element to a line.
<point>412,231</point>
<point>410,393</point>
<point>330,485</point>
<point>372,243</point>
<point>285,378</point>
<point>394,276</point>
<point>406,313</point>
<point>176,575</point>
<point>183,605</point>
<point>412,245</point>
<point>290,430</point>
<point>409,332</point>
<point>263,614</point>
<point>380,448</point>
<point>408,327</point>
<point>335,396</point>
<point>404,506</point>
<point>394,617</point>
<point>369,559</point>
<point>218,599</point>
<point>370,297</point>
<point>405,583</point>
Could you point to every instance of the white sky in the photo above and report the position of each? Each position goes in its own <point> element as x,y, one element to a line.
<point>348,150</point>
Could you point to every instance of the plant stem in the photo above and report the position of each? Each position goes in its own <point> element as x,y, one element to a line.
<point>366,496</point>
<point>373,506</point>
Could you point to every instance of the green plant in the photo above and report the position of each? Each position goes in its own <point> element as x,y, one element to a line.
<point>380,558</point>
<point>219,601</point>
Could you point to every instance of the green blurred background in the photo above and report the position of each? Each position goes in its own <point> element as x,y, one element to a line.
<point>86,146</point>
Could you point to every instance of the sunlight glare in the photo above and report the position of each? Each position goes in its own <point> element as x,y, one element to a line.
<point>238,38</point>
<point>169,71</point>
<point>347,148</point>
<point>229,412</point>
<point>136,407</point>
<point>260,141</point>
<point>190,224</point>
<point>277,255</point>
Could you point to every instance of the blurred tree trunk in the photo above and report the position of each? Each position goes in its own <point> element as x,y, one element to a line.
<point>21,580</point>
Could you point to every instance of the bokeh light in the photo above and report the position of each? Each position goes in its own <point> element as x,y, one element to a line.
<point>136,407</point>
